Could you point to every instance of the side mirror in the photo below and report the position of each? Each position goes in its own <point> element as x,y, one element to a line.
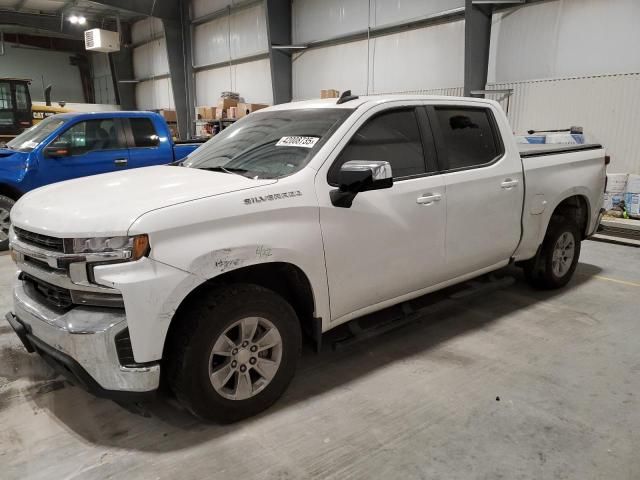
<point>58,149</point>
<point>358,176</point>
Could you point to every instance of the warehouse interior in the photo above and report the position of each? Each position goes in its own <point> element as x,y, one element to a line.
<point>485,377</point>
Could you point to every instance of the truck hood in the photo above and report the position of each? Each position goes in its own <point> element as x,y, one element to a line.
<point>108,204</point>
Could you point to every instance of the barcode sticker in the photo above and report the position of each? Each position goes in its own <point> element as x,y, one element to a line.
<point>304,142</point>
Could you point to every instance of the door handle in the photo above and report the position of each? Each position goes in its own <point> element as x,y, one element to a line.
<point>509,184</point>
<point>428,199</point>
<point>121,162</point>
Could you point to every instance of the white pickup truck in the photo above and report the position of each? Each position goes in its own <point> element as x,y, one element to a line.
<point>298,218</point>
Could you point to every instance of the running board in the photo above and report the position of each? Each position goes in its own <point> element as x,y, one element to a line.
<point>474,288</point>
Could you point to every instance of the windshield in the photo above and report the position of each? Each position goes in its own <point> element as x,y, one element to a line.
<point>30,139</point>
<point>269,144</point>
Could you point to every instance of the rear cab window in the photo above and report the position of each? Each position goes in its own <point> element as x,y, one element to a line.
<point>468,137</point>
<point>144,132</point>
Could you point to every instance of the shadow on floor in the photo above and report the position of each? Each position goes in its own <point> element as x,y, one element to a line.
<point>168,428</point>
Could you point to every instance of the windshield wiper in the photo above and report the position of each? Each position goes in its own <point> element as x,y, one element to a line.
<point>232,170</point>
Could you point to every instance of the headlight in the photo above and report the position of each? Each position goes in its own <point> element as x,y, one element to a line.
<point>132,248</point>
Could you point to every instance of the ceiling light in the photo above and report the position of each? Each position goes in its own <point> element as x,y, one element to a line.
<point>77,19</point>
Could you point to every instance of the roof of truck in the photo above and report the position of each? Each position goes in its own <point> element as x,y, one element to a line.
<point>107,113</point>
<point>370,99</point>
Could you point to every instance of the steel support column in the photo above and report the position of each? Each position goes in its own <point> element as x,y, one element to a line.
<point>179,57</point>
<point>121,63</point>
<point>477,37</point>
<point>279,33</point>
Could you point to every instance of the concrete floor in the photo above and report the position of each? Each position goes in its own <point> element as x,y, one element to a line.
<point>513,384</point>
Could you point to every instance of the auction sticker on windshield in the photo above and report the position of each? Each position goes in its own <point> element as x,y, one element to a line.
<point>304,142</point>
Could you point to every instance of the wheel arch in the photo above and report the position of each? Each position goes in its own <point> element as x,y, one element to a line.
<point>285,279</point>
<point>10,191</point>
<point>576,207</point>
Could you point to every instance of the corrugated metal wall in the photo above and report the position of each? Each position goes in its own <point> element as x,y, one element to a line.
<point>431,57</point>
<point>242,34</point>
<point>607,106</point>
<point>149,61</point>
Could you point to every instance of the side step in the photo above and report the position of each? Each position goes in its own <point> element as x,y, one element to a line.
<point>471,289</point>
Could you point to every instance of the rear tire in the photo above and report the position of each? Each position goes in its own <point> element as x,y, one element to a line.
<point>6,204</point>
<point>557,260</point>
<point>233,353</point>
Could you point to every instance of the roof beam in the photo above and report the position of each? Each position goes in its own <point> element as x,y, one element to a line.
<point>164,9</point>
<point>51,23</point>
<point>19,4</point>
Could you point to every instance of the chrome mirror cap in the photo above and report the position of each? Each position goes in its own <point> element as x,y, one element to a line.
<point>380,170</point>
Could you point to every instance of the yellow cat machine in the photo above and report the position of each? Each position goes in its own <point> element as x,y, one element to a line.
<point>15,107</point>
<point>40,112</point>
<point>17,113</point>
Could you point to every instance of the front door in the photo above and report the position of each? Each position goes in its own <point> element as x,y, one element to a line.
<point>96,146</point>
<point>390,242</point>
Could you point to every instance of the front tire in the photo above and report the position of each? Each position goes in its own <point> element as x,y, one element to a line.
<point>234,353</point>
<point>6,204</point>
<point>554,266</point>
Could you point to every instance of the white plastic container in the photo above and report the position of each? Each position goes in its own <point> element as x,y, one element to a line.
<point>616,182</point>
<point>633,184</point>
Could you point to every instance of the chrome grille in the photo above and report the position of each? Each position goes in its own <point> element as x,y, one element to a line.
<point>57,296</point>
<point>38,240</point>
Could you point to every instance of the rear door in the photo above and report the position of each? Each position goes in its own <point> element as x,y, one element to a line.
<point>146,148</point>
<point>95,146</point>
<point>484,188</point>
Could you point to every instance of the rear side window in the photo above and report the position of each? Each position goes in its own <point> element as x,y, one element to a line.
<point>469,136</point>
<point>144,133</point>
<point>393,137</point>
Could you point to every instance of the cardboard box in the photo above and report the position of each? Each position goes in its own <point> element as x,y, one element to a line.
<point>245,109</point>
<point>612,200</point>
<point>632,204</point>
<point>232,112</point>
<point>220,113</point>
<point>633,184</point>
<point>169,115</point>
<point>226,103</point>
<point>616,182</point>
<point>205,113</point>
<point>330,93</point>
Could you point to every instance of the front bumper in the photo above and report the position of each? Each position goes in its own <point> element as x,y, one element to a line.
<point>80,343</point>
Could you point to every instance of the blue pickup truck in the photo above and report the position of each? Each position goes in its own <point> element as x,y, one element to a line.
<point>72,145</point>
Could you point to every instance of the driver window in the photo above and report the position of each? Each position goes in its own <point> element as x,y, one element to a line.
<point>92,135</point>
<point>392,136</point>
